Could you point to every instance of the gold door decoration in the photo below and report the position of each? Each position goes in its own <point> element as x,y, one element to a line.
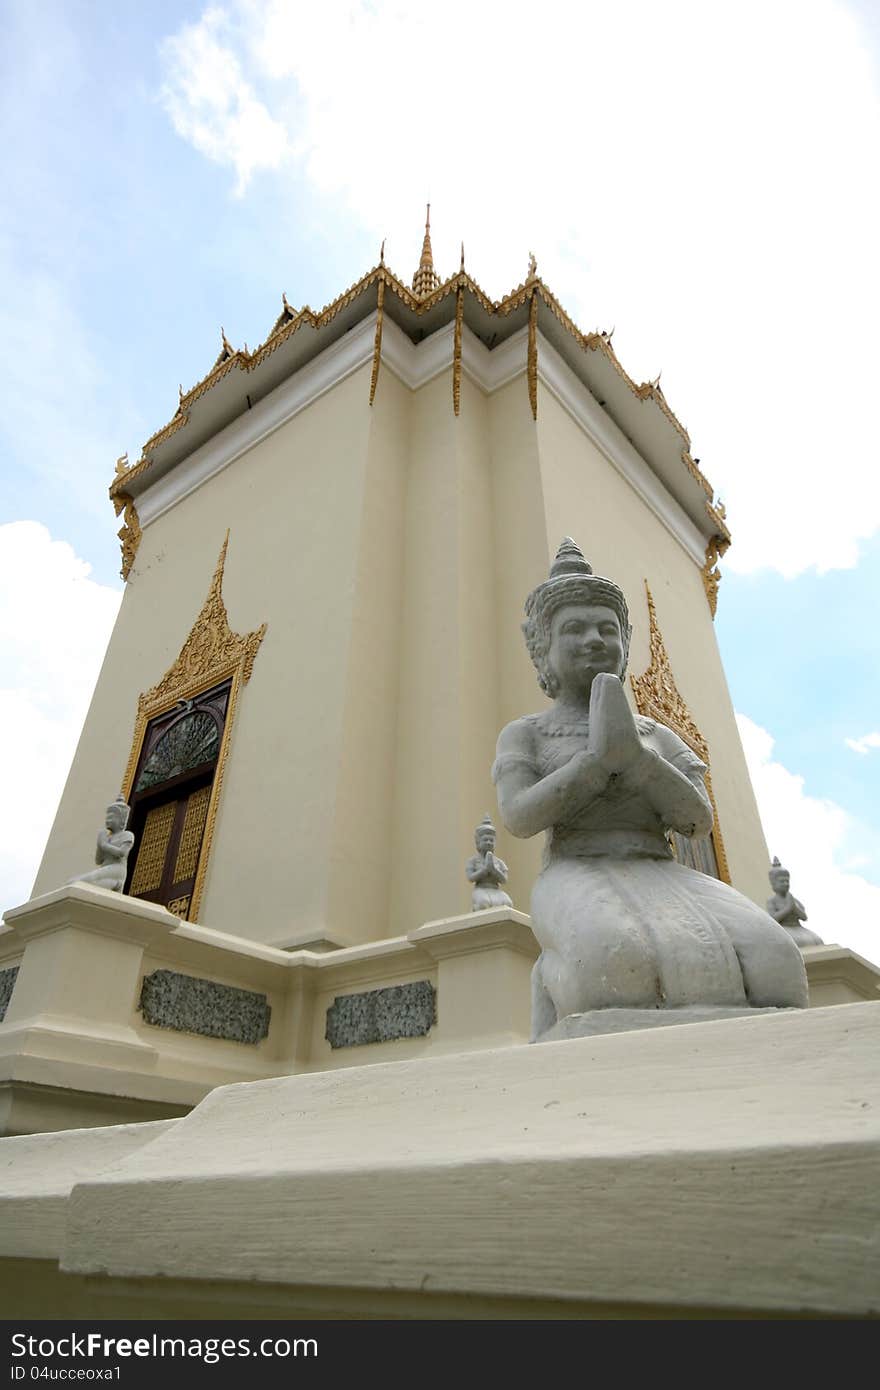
<point>658,697</point>
<point>191,836</point>
<point>211,653</point>
<point>151,850</point>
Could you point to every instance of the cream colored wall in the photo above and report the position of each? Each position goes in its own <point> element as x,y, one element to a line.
<point>448,680</point>
<point>587,498</point>
<point>294,505</point>
<point>522,557</point>
<point>362,851</point>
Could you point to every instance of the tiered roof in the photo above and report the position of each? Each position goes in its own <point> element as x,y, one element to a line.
<point>240,378</point>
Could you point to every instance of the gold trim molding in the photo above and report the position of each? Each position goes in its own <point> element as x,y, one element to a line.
<point>456,348</point>
<point>532,355</point>
<point>211,653</point>
<point>710,572</point>
<point>377,342</point>
<point>658,697</point>
<point>129,532</point>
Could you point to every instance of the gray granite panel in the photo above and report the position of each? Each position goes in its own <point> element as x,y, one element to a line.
<point>7,985</point>
<point>381,1015</point>
<point>193,1005</point>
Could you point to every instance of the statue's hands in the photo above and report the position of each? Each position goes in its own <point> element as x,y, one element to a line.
<point>614,739</point>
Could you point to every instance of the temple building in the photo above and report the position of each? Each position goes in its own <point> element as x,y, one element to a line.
<point>326,552</point>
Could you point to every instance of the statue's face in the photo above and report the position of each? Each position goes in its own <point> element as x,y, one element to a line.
<point>584,640</point>
<point>485,841</point>
<point>779,882</point>
<point>115,820</point>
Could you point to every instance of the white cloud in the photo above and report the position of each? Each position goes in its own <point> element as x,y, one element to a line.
<point>694,175</point>
<point>861,745</point>
<point>55,623</point>
<point>812,838</point>
<point>212,105</point>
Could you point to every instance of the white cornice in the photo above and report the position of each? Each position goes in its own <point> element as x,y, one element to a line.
<point>319,376</point>
<point>597,424</point>
<point>415,364</point>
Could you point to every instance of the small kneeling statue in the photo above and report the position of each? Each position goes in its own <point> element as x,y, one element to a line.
<point>486,871</point>
<point>629,936</point>
<point>786,910</point>
<point>111,855</point>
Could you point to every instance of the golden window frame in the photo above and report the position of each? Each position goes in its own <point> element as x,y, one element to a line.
<point>211,653</point>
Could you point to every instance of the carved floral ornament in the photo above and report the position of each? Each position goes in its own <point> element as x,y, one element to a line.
<point>658,697</point>
<point>211,653</point>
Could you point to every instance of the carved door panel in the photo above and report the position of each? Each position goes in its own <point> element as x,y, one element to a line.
<point>166,855</point>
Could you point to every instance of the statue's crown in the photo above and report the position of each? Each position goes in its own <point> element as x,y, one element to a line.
<point>569,560</point>
<point>120,804</point>
<point>485,824</point>
<point>571,580</point>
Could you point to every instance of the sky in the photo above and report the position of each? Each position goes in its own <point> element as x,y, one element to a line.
<point>702,179</point>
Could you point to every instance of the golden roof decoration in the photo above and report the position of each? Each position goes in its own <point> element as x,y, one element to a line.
<point>657,694</point>
<point>426,279</point>
<point>226,351</point>
<point>658,697</point>
<point>427,293</point>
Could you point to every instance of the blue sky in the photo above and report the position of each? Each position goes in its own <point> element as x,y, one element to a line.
<point>701,180</point>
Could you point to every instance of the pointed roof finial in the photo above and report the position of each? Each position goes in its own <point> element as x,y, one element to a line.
<point>382,252</point>
<point>533,265</point>
<point>427,254</point>
<point>461,267</point>
<point>426,279</point>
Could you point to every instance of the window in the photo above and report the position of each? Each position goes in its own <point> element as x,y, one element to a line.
<point>171,797</point>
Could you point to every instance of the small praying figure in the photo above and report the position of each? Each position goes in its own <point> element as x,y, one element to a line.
<point>486,871</point>
<point>786,909</point>
<point>111,855</point>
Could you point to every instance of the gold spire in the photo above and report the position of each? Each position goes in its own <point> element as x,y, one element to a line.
<point>426,279</point>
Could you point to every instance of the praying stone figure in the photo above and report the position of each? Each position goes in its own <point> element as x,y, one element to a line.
<point>111,855</point>
<point>786,910</point>
<point>486,871</point>
<point>629,936</point>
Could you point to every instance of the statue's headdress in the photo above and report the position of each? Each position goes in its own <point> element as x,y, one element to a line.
<point>120,804</point>
<point>571,581</point>
<point>485,824</point>
<point>776,868</point>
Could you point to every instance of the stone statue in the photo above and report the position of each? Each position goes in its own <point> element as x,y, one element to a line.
<point>629,936</point>
<point>486,871</point>
<point>111,855</point>
<point>787,910</point>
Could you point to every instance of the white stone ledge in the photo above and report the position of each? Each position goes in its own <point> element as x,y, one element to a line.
<point>73,1019</point>
<point>38,1171</point>
<point>723,1165</point>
